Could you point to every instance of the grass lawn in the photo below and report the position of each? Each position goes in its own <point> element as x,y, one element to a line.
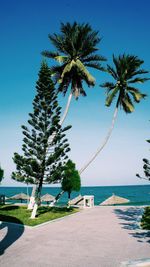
<point>145,222</point>
<point>20,214</point>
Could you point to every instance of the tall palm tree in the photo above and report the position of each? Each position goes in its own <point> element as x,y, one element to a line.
<point>76,48</point>
<point>75,51</point>
<point>126,72</point>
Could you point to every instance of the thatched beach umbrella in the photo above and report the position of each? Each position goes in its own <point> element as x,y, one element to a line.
<point>47,198</point>
<point>20,196</point>
<point>77,200</point>
<point>114,200</point>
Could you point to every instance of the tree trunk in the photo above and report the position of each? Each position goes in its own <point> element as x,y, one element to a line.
<point>32,198</point>
<point>56,198</point>
<point>103,144</point>
<point>66,109</point>
<point>68,205</point>
<point>37,200</point>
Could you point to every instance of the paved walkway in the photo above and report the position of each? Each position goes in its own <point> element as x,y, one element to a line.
<point>98,237</point>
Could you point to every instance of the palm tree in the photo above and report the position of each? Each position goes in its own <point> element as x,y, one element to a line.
<point>126,72</point>
<point>76,48</point>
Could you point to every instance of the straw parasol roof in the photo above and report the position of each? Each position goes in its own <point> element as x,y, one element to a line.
<point>77,200</point>
<point>114,200</point>
<point>20,196</point>
<point>47,198</point>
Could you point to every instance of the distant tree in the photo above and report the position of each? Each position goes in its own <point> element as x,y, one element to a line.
<point>71,179</point>
<point>146,169</point>
<point>1,174</point>
<point>36,166</point>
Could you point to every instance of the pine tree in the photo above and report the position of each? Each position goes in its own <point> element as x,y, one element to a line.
<point>146,169</point>
<point>36,166</point>
<point>71,179</point>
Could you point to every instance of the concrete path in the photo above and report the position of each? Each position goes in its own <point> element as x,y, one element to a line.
<point>98,237</point>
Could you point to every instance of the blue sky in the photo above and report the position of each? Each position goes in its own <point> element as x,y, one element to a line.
<point>124,27</point>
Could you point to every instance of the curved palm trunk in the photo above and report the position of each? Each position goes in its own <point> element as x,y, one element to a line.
<point>56,198</point>
<point>103,144</point>
<point>66,109</point>
<point>32,198</point>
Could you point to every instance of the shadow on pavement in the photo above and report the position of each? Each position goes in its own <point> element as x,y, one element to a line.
<point>131,221</point>
<point>14,232</point>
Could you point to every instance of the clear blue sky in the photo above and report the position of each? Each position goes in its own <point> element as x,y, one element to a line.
<point>124,26</point>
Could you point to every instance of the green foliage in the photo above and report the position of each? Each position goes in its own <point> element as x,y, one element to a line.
<point>126,72</point>
<point>36,165</point>
<point>145,222</point>
<point>1,174</point>
<point>20,214</point>
<point>76,48</point>
<point>146,168</point>
<point>71,180</point>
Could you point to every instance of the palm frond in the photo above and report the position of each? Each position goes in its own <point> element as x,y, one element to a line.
<point>95,65</point>
<point>63,87</point>
<point>56,72</point>
<point>125,71</point>
<point>50,54</point>
<point>93,58</point>
<point>66,69</point>
<point>111,96</point>
<point>117,65</point>
<point>112,71</point>
<point>85,72</point>
<point>76,47</point>
<point>108,85</point>
<point>136,94</point>
<point>127,104</point>
<point>57,41</point>
<point>138,80</point>
<point>77,87</point>
<point>139,72</point>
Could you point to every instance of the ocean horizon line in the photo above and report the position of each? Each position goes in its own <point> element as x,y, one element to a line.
<point>25,185</point>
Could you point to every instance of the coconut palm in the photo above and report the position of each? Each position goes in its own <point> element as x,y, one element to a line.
<point>126,72</point>
<point>76,48</point>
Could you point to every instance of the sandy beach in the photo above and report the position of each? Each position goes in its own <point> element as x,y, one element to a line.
<point>98,237</point>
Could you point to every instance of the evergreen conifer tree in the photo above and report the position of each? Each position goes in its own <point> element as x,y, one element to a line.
<point>146,169</point>
<point>1,174</point>
<point>36,166</point>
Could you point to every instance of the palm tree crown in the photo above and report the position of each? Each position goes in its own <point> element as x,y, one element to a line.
<point>76,48</point>
<point>126,73</point>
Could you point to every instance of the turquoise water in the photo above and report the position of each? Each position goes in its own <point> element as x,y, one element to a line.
<point>137,194</point>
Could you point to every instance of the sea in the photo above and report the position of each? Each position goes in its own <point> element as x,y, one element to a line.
<point>137,194</point>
